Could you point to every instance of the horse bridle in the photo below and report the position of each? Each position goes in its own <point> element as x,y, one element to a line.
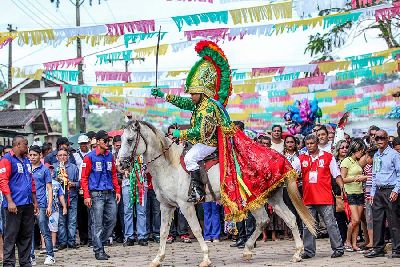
<point>130,159</point>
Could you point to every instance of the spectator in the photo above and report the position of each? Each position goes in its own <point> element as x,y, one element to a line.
<point>153,214</point>
<point>277,142</point>
<point>396,144</point>
<point>18,187</point>
<point>62,142</point>
<point>264,140</point>
<point>398,128</point>
<point>324,143</point>
<point>101,197</point>
<point>7,149</point>
<point>93,144</point>
<point>317,167</point>
<point>384,192</point>
<point>44,190</point>
<point>82,211</point>
<point>368,200</point>
<point>353,178</point>
<point>1,151</point>
<point>340,153</point>
<point>212,226</point>
<point>91,135</point>
<point>58,201</point>
<point>119,226</point>
<point>371,135</point>
<point>46,149</point>
<point>70,184</point>
<point>292,155</point>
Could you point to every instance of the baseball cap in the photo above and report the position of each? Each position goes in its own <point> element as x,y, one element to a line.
<point>102,135</point>
<point>83,139</point>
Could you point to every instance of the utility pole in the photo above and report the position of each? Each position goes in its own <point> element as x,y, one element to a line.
<point>10,29</point>
<point>80,120</point>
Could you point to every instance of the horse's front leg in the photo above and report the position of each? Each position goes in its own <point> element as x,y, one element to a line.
<point>189,212</point>
<point>166,217</point>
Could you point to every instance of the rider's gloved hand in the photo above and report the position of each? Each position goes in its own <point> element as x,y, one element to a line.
<point>176,133</point>
<point>157,92</point>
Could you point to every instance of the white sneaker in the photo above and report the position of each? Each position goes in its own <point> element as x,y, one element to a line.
<point>33,262</point>
<point>49,260</point>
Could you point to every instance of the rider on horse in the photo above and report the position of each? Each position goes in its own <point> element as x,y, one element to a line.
<point>201,84</point>
<point>249,173</point>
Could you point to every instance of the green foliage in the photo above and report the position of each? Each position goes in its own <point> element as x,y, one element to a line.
<point>322,44</point>
<point>55,125</point>
<point>3,87</point>
<point>106,121</point>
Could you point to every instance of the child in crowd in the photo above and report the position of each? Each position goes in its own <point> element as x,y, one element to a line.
<point>58,197</point>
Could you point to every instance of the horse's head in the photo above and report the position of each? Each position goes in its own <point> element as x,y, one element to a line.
<point>133,144</point>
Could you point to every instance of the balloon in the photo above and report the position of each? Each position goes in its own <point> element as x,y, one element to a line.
<point>297,118</point>
<point>287,116</point>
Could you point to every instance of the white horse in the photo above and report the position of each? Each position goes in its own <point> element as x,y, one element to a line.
<point>171,184</point>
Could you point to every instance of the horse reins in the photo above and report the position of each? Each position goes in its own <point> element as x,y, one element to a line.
<point>139,134</point>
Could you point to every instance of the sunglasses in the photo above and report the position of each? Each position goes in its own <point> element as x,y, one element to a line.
<point>377,138</point>
<point>344,147</point>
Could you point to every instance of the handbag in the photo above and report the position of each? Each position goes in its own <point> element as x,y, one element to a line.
<point>339,204</point>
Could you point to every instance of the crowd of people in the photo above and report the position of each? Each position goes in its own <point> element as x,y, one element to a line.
<point>351,187</point>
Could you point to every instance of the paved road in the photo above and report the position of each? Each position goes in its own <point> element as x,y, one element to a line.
<point>271,253</point>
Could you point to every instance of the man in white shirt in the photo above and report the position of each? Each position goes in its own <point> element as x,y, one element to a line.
<point>83,150</point>
<point>324,143</point>
<point>277,142</point>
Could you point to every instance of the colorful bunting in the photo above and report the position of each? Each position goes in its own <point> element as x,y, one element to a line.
<point>53,65</point>
<point>196,19</point>
<point>152,50</point>
<point>63,75</point>
<point>282,10</point>
<point>145,26</point>
<point>111,57</point>
<point>113,76</point>
<point>135,37</point>
<point>387,13</point>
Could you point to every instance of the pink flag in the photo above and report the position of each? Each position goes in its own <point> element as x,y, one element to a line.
<point>266,70</point>
<point>309,80</point>
<point>113,76</point>
<point>213,34</point>
<point>53,65</point>
<point>116,29</point>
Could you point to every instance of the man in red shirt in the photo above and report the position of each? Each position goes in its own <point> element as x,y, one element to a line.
<point>101,192</point>
<point>19,202</point>
<point>317,168</point>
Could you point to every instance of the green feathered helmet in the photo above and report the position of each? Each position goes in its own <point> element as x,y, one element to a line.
<point>211,75</point>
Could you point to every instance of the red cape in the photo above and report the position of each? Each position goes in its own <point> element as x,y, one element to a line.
<point>260,169</point>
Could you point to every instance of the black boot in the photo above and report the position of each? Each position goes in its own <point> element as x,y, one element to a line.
<point>197,194</point>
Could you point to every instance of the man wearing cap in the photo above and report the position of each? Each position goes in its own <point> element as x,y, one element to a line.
<point>101,192</point>
<point>84,237</point>
<point>62,142</point>
<point>18,187</point>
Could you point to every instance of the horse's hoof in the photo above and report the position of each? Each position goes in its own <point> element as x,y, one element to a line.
<point>153,264</point>
<point>296,258</point>
<point>205,263</point>
<point>247,256</point>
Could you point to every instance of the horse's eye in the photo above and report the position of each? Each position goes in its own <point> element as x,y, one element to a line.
<point>130,141</point>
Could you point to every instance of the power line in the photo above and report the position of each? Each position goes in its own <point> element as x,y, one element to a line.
<point>112,14</point>
<point>27,14</point>
<point>90,16</point>
<point>34,14</point>
<point>51,12</point>
<point>41,13</point>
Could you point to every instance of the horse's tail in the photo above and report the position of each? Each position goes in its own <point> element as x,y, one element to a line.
<point>301,209</point>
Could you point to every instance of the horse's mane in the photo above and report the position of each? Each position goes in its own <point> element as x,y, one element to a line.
<point>173,154</point>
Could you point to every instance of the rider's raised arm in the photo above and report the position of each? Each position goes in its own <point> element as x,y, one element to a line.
<point>185,103</point>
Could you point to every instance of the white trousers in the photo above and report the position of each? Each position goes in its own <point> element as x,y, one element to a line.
<point>195,154</point>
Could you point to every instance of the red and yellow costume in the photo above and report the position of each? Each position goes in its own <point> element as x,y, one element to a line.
<point>249,171</point>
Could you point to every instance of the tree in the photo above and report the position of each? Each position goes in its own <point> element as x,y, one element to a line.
<point>106,121</point>
<point>322,45</point>
<point>3,87</point>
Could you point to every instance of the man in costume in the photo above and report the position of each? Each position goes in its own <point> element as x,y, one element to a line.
<point>248,171</point>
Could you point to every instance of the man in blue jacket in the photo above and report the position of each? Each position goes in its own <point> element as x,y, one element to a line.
<point>19,202</point>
